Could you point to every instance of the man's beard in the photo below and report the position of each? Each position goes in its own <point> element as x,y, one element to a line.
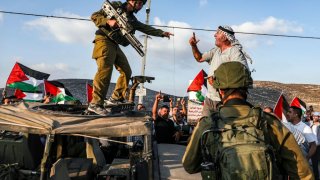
<point>164,116</point>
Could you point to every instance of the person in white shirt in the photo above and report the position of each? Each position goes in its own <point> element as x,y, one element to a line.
<point>228,48</point>
<point>294,116</point>
<point>298,136</point>
<point>301,140</point>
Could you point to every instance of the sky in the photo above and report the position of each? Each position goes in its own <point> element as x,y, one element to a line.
<point>63,48</point>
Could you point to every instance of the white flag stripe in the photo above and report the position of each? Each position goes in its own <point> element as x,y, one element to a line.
<point>63,91</point>
<point>303,108</point>
<point>33,81</point>
<point>284,119</point>
<point>33,96</point>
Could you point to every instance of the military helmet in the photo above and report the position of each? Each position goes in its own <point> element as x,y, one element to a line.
<point>232,75</point>
<point>144,1</point>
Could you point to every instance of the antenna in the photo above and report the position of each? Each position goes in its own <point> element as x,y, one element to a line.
<point>144,58</point>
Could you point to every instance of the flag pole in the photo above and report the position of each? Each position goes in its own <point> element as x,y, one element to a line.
<point>44,87</point>
<point>144,58</point>
<point>87,92</point>
<point>4,92</point>
<point>278,100</point>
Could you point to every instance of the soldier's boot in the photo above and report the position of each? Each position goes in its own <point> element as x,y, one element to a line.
<point>98,109</point>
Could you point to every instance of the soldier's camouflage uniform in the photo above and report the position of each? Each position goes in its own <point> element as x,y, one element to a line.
<point>293,162</point>
<point>107,53</point>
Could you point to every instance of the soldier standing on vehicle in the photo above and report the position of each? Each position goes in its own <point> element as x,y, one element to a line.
<point>107,53</point>
<point>241,135</point>
<point>228,48</point>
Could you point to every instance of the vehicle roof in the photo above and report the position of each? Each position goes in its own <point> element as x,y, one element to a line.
<point>22,118</point>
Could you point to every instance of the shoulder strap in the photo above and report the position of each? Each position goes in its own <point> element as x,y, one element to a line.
<point>271,150</point>
<point>264,126</point>
<point>207,157</point>
<point>215,118</point>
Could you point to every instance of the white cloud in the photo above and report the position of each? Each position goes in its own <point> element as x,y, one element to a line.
<point>270,25</point>
<point>180,38</point>
<point>1,17</point>
<point>269,42</point>
<point>203,2</point>
<point>157,21</point>
<point>166,58</point>
<point>178,44</point>
<point>64,30</point>
<point>56,71</point>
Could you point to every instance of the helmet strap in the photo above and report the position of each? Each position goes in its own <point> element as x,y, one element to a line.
<point>227,93</point>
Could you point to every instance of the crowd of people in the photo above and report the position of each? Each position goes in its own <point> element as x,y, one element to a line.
<point>229,151</point>
<point>13,100</point>
<point>170,122</point>
<point>305,128</point>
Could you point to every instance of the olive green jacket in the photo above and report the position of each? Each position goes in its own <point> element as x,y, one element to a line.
<point>291,157</point>
<point>100,20</point>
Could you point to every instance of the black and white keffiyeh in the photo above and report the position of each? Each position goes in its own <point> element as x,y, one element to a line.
<point>229,33</point>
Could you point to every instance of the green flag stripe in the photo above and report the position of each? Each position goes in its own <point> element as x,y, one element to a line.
<point>61,97</point>
<point>23,86</point>
<point>29,100</point>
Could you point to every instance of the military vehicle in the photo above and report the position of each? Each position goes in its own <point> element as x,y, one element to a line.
<point>63,141</point>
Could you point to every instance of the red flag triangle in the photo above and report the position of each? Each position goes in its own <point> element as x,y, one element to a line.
<point>52,89</point>
<point>19,94</point>
<point>16,75</point>
<point>281,108</point>
<point>198,81</point>
<point>299,103</point>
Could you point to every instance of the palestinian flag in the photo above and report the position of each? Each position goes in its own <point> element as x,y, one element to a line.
<point>58,91</point>
<point>198,82</point>
<point>198,87</point>
<point>25,79</point>
<point>281,108</point>
<point>300,104</point>
<point>28,96</point>
<point>89,92</point>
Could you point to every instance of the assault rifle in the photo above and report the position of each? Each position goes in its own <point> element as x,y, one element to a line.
<point>126,28</point>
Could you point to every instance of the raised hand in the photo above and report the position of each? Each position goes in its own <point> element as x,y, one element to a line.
<point>193,40</point>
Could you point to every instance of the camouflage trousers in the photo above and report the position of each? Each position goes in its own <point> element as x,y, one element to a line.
<point>108,54</point>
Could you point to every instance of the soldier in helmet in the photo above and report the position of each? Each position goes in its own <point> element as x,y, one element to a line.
<point>107,53</point>
<point>232,80</point>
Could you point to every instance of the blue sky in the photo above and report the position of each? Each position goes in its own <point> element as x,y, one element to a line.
<point>63,48</point>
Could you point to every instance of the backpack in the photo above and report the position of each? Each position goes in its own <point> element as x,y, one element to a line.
<point>239,148</point>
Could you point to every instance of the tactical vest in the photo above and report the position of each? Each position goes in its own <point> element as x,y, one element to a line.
<point>240,148</point>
